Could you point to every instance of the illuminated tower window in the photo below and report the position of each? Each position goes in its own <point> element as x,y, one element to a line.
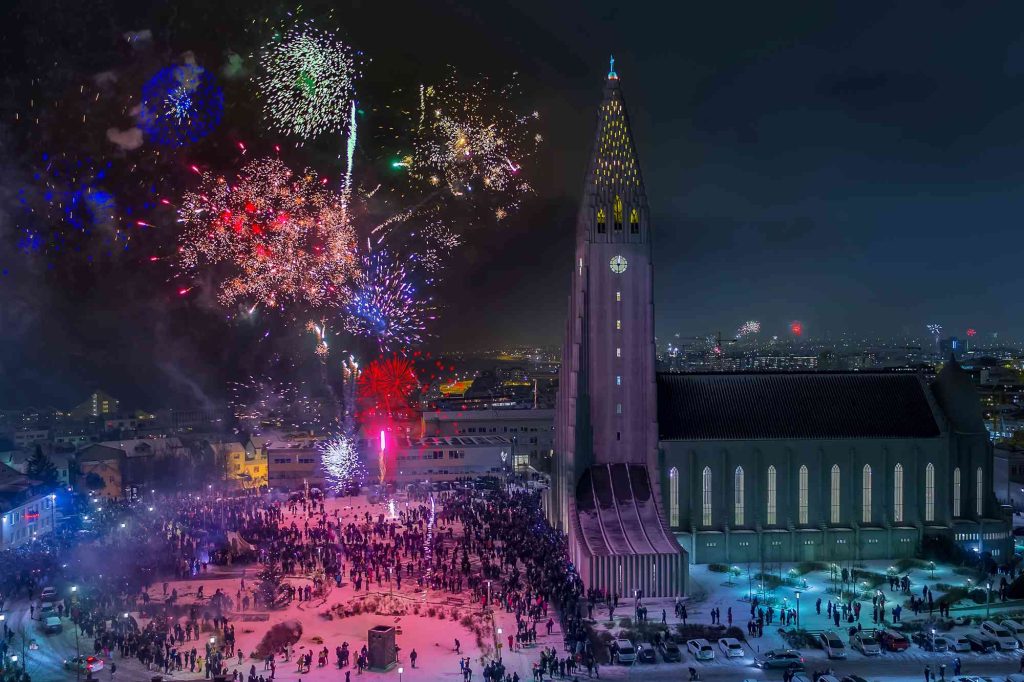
<point>618,296</point>
<point>617,213</point>
<point>772,498</point>
<point>802,502</point>
<point>618,324</point>
<point>618,380</point>
<point>897,493</point>
<point>706,496</point>
<point>956,491</point>
<point>602,221</point>
<point>978,497</point>
<point>618,352</point>
<point>673,497</point>
<point>634,222</point>
<point>618,408</point>
<point>929,492</point>
<point>865,498</point>
<point>834,514</point>
<point>738,495</point>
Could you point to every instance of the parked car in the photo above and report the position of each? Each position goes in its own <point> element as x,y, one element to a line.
<point>52,625</point>
<point>645,653</point>
<point>624,651</point>
<point>1014,677</point>
<point>45,610</point>
<point>48,594</point>
<point>86,664</point>
<point>893,641</point>
<point>731,647</point>
<point>670,651</point>
<point>853,678</point>
<point>929,642</point>
<point>828,678</point>
<point>956,642</point>
<point>779,659</point>
<point>833,646</point>
<point>1016,629</point>
<point>982,643</point>
<point>865,643</point>
<point>700,649</point>
<point>1007,640</point>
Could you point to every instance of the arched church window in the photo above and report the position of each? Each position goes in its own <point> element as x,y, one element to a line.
<point>634,222</point>
<point>602,221</point>
<point>897,493</point>
<point>929,492</point>
<point>865,496</point>
<point>738,494</point>
<point>617,213</point>
<point>706,497</point>
<point>772,497</point>
<point>956,491</point>
<point>834,499</point>
<point>673,497</point>
<point>802,502</point>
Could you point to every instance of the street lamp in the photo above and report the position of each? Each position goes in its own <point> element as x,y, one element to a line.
<point>988,599</point>
<point>499,646</point>
<point>400,671</point>
<point>931,565</point>
<point>798,609</point>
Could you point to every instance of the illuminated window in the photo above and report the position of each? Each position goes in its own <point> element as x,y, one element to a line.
<point>618,380</point>
<point>706,496</point>
<point>618,295</point>
<point>929,492</point>
<point>865,496</point>
<point>634,222</point>
<point>618,408</point>
<point>802,502</point>
<point>617,213</point>
<point>834,513</point>
<point>618,352</point>
<point>956,491</point>
<point>897,494</point>
<point>771,496</point>
<point>602,221</point>
<point>978,497</point>
<point>738,495</point>
<point>618,324</point>
<point>673,497</point>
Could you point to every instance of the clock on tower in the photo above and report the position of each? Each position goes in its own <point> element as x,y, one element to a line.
<point>618,264</point>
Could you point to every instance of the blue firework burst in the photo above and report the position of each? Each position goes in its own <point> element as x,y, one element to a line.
<point>181,104</point>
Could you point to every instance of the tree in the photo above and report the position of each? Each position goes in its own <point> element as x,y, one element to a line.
<point>271,579</point>
<point>40,468</point>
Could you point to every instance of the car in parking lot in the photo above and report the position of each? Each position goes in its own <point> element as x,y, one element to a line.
<point>624,651</point>
<point>700,649</point>
<point>929,642</point>
<point>86,664</point>
<point>52,625</point>
<point>1015,628</point>
<point>779,659</point>
<point>865,643</point>
<point>1007,641</point>
<point>1014,677</point>
<point>645,653</point>
<point>853,678</point>
<point>670,651</point>
<point>49,593</point>
<point>827,678</point>
<point>833,646</point>
<point>893,641</point>
<point>956,642</point>
<point>982,643</point>
<point>731,647</point>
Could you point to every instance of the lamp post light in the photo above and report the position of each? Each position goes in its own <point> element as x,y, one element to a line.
<point>798,609</point>
<point>499,646</point>
<point>931,565</point>
<point>400,671</point>
<point>988,599</point>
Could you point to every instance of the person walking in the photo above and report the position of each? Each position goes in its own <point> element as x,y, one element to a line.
<point>412,657</point>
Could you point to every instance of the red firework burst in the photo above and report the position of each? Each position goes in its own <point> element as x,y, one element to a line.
<point>386,385</point>
<point>796,328</point>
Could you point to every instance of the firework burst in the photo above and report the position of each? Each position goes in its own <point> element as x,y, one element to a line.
<point>748,328</point>
<point>341,462</point>
<point>180,104</point>
<point>279,237</point>
<point>307,82</point>
<point>386,386</point>
<point>383,304</point>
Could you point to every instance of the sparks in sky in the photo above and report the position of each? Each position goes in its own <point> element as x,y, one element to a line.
<point>341,462</point>
<point>180,104</point>
<point>796,328</point>
<point>271,237</point>
<point>307,82</point>
<point>747,328</point>
<point>386,386</point>
<point>383,304</point>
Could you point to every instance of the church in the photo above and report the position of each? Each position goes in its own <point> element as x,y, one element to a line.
<point>654,471</point>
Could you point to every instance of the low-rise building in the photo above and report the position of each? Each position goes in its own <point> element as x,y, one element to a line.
<point>446,458</point>
<point>293,461</point>
<point>24,514</point>
<point>530,432</point>
<point>244,467</point>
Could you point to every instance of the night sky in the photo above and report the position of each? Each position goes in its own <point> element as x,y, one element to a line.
<point>857,168</point>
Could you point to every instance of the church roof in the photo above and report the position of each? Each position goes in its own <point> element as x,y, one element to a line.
<point>790,405</point>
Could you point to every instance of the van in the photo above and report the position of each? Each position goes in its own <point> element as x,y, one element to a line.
<point>624,651</point>
<point>1006,639</point>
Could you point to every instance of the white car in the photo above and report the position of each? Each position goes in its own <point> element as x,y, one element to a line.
<point>957,643</point>
<point>700,649</point>
<point>1015,628</point>
<point>1007,641</point>
<point>833,646</point>
<point>828,678</point>
<point>48,594</point>
<point>625,651</point>
<point>865,643</point>
<point>731,647</point>
<point>1014,677</point>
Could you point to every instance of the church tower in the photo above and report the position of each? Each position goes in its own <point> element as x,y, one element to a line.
<point>606,435</point>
